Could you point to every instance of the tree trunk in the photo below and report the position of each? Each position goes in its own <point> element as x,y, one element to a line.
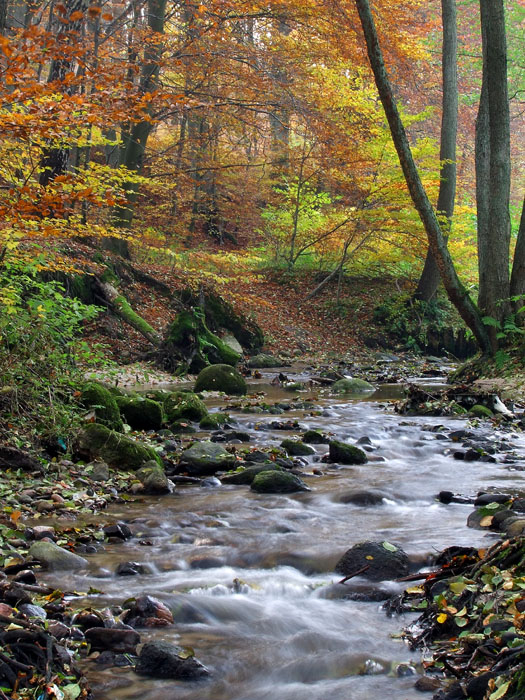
<point>54,160</point>
<point>135,139</point>
<point>457,293</point>
<point>494,283</point>
<point>429,281</point>
<point>517,280</point>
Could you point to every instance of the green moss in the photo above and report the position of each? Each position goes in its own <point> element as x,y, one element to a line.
<point>297,448</point>
<point>189,337</point>
<point>346,454</point>
<point>117,450</point>
<point>247,475</point>
<point>182,404</point>
<point>102,401</point>
<point>314,437</point>
<point>277,482</point>
<point>123,308</point>
<point>141,413</point>
<point>481,411</point>
<point>213,421</point>
<point>351,386</point>
<point>220,314</point>
<point>221,378</point>
<point>180,426</point>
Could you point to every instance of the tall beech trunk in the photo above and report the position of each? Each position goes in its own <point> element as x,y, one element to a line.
<point>494,237</point>
<point>430,278</point>
<point>136,137</point>
<point>457,293</point>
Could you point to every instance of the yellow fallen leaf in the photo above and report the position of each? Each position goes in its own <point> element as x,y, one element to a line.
<point>442,618</point>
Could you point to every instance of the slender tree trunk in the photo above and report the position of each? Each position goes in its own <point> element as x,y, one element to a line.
<point>517,280</point>
<point>136,138</point>
<point>54,160</point>
<point>494,283</point>
<point>457,293</point>
<point>429,281</point>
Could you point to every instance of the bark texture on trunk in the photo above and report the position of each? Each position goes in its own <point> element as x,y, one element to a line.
<point>430,277</point>
<point>494,282</point>
<point>517,280</point>
<point>457,293</point>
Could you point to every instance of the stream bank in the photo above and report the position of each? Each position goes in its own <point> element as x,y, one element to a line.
<point>249,577</point>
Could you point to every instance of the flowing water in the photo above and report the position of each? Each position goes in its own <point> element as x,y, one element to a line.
<point>248,576</point>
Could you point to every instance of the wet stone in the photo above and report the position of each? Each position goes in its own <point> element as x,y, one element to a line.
<point>119,530</point>
<point>164,660</point>
<point>377,561</point>
<point>132,568</point>
<point>117,640</point>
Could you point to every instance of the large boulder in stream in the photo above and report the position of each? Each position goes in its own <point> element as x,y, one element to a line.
<point>140,413</point>
<point>205,458</point>
<point>221,378</point>
<point>165,660</point>
<point>346,454</point>
<point>377,561</point>
<point>277,482</point>
<point>97,441</point>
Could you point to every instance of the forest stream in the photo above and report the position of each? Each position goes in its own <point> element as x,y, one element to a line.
<point>250,577</point>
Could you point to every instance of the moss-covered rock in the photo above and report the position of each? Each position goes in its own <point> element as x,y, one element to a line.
<point>314,437</point>
<point>221,378</point>
<point>296,448</point>
<point>277,482</point>
<point>179,427</point>
<point>140,413</point>
<point>213,421</point>
<point>351,386</point>
<point>154,479</point>
<point>247,475</point>
<point>189,340</point>
<point>265,361</point>
<point>346,454</point>
<point>119,451</point>
<point>184,404</point>
<point>206,458</point>
<point>480,411</point>
<point>102,401</point>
